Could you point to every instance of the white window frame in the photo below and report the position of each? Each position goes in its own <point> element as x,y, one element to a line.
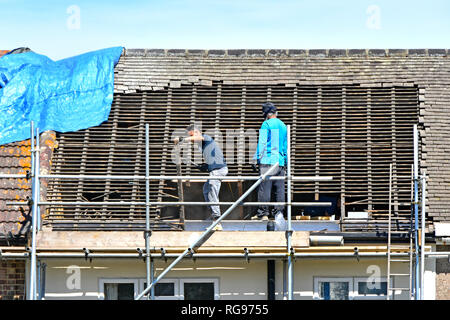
<point>215,281</point>
<point>316,295</point>
<point>358,296</point>
<point>102,281</point>
<point>175,281</point>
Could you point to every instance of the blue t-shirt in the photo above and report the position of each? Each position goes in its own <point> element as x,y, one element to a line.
<point>272,143</point>
<point>212,154</point>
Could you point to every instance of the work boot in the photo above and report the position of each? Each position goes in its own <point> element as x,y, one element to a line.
<point>218,227</point>
<point>263,218</point>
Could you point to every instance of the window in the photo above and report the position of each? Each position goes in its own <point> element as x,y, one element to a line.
<point>118,289</point>
<point>338,288</point>
<point>199,289</point>
<point>365,288</point>
<point>165,289</point>
<point>333,288</point>
<point>185,289</point>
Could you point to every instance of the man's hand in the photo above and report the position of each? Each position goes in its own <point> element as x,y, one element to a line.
<point>254,167</point>
<point>179,140</point>
<point>202,167</point>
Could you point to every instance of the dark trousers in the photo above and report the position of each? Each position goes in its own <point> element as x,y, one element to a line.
<point>265,190</point>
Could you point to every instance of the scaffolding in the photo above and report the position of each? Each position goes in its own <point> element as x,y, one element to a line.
<point>289,254</point>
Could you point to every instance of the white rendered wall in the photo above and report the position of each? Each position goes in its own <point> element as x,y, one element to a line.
<point>237,279</point>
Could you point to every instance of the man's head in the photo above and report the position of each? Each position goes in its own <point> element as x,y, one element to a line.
<point>269,110</point>
<point>193,130</point>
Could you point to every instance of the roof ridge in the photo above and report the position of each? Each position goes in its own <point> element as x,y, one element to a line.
<point>286,52</point>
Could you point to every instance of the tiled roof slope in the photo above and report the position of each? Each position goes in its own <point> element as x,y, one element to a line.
<point>429,69</point>
<point>15,158</point>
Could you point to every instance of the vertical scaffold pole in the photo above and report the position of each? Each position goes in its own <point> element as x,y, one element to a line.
<point>38,279</point>
<point>284,279</point>
<point>38,190</point>
<point>289,214</point>
<point>388,295</point>
<point>148,259</point>
<point>416,212</point>
<point>42,271</point>
<point>411,278</point>
<point>422,238</point>
<point>30,288</point>
<point>152,278</point>
<point>32,158</point>
<point>35,213</point>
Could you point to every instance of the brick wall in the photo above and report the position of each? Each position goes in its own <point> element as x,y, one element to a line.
<point>12,280</point>
<point>443,276</point>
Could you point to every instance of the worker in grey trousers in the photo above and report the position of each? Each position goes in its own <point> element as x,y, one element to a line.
<point>271,149</point>
<point>214,163</point>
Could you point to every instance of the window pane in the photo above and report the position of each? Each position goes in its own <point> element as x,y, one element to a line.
<point>199,291</point>
<point>126,291</point>
<point>110,290</point>
<point>378,288</point>
<point>163,289</point>
<point>333,290</point>
<point>119,291</point>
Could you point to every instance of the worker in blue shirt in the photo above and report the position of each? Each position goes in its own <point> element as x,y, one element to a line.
<point>271,149</point>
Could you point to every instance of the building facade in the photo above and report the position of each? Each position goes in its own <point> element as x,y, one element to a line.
<point>351,114</point>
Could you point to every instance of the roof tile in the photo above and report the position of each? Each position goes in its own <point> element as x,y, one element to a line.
<point>236,52</point>
<point>377,52</point>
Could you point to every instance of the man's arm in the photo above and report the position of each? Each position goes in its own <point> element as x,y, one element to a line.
<point>188,139</point>
<point>285,145</point>
<point>262,142</point>
<point>193,139</point>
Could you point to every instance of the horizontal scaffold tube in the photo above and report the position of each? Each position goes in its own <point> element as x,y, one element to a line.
<point>8,176</point>
<point>237,178</point>
<point>131,203</point>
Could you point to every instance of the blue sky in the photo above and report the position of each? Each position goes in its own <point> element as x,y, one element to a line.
<point>63,28</point>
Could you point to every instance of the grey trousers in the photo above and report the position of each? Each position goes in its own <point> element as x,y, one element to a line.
<point>211,190</point>
<point>265,190</point>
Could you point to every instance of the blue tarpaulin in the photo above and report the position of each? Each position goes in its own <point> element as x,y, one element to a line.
<point>66,95</point>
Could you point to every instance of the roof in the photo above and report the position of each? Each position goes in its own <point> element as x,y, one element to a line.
<point>428,69</point>
<point>153,69</point>
<point>156,69</point>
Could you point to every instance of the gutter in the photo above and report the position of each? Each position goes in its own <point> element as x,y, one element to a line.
<point>247,256</point>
